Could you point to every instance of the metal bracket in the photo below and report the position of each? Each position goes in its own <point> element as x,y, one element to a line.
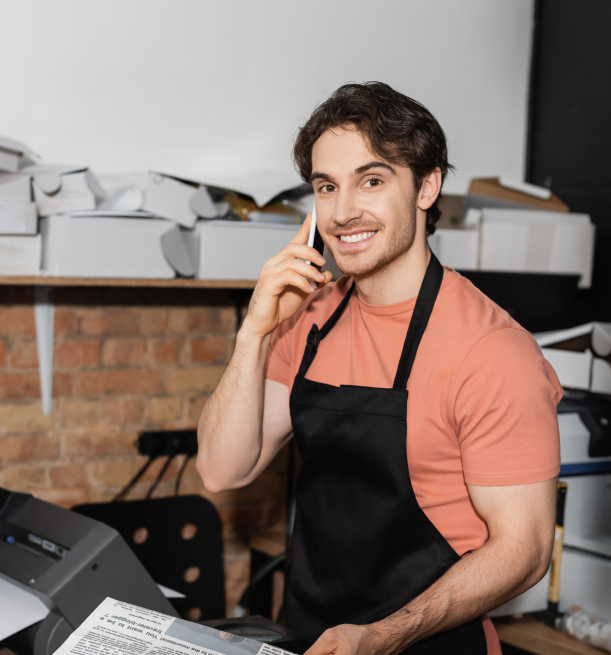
<point>44,314</point>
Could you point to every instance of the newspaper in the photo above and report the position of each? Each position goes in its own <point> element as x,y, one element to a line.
<point>117,628</point>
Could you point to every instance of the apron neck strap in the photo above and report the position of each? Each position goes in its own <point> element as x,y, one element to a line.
<point>326,328</point>
<point>315,335</point>
<point>420,318</point>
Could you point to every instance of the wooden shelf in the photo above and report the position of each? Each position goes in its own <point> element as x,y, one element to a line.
<point>176,283</point>
<point>534,637</point>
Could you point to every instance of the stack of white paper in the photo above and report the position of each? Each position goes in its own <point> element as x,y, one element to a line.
<point>588,369</point>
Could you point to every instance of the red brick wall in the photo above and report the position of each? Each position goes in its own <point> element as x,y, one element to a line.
<point>125,360</point>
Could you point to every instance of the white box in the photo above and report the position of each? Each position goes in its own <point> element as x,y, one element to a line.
<point>457,249</point>
<point>18,218</point>
<point>11,152</point>
<point>537,241</point>
<point>236,250</point>
<point>74,194</point>
<point>104,247</point>
<point>585,580</point>
<point>572,368</point>
<point>20,255</point>
<point>177,200</point>
<point>15,188</point>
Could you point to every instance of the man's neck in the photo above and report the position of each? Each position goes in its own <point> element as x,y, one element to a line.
<point>398,281</point>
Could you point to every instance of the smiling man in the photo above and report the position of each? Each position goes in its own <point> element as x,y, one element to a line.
<point>424,415</point>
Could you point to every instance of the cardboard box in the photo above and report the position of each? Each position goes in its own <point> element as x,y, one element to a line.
<point>572,368</point>
<point>18,218</point>
<point>491,187</point>
<point>104,247</point>
<point>452,212</point>
<point>236,250</point>
<point>575,364</point>
<point>20,255</point>
<point>11,153</point>
<point>74,192</point>
<point>17,212</point>
<point>15,188</point>
<point>177,200</point>
<point>537,241</point>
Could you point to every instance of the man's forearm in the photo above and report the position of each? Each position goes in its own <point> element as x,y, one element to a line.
<point>230,427</point>
<point>482,580</point>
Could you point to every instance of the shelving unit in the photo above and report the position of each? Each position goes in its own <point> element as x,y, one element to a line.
<point>180,283</point>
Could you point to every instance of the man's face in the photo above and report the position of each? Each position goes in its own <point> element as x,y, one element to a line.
<point>365,207</point>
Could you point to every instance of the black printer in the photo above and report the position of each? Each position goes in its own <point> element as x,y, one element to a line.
<point>72,563</point>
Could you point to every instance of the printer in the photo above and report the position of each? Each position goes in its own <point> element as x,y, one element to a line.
<point>71,563</point>
<point>584,421</point>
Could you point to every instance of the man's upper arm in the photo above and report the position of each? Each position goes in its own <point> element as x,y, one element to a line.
<point>277,428</point>
<point>524,516</point>
<point>505,412</point>
<point>277,425</point>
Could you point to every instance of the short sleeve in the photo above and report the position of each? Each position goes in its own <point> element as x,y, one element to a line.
<point>505,411</point>
<point>278,362</point>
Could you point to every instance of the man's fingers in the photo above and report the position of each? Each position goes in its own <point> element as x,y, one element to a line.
<point>282,278</point>
<point>296,251</point>
<point>323,646</point>
<point>328,277</point>
<point>304,231</point>
<point>302,268</point>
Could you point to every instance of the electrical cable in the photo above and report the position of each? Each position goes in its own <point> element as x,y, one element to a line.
<point>180,472</point>
<point>128,487</point>
<point>244,603</point>
<point>158,479</point>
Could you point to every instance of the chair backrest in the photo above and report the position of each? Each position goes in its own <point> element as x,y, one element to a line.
<point>179,542</point>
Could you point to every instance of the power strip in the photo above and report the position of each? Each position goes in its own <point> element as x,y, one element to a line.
<point>167,442</point>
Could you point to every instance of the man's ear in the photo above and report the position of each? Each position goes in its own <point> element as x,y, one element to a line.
<point>431,186</point>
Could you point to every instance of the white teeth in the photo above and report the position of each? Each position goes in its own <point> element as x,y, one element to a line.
<point>354,238</point>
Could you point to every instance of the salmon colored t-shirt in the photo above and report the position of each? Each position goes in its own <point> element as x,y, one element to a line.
<point>482,399</point>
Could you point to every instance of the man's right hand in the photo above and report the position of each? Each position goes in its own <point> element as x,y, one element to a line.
<point>285,282</point>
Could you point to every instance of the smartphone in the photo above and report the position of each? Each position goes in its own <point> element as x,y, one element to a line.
<point>314,239</point>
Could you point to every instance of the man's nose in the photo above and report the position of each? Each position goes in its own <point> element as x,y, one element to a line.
<point>347,207</point>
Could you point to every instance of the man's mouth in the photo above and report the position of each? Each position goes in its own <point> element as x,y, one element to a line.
<point>355,238</point>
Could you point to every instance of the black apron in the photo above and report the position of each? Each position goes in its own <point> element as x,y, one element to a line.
<point>362,547</point>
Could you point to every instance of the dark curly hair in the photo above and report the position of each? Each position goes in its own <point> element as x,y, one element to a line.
<point>397,128</point>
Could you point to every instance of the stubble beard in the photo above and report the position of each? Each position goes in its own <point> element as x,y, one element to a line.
<point>361,266</point>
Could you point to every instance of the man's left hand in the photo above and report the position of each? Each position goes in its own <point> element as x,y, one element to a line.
<point>347,640</point>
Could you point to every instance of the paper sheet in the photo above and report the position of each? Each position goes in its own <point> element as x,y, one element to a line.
<point>19,608</point>
<point>124,629</point>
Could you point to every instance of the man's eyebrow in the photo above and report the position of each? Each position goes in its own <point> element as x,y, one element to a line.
<point>320,176</point>
<point>359,171</point>
<point>373,164</point>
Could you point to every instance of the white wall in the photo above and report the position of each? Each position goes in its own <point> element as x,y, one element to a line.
<point>210,89</point>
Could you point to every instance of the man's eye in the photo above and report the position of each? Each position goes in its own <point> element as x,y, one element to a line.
<point>373,182</point>
<point>328,188</point>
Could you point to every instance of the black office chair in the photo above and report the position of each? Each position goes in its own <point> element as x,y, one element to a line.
<point>179,542</point>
